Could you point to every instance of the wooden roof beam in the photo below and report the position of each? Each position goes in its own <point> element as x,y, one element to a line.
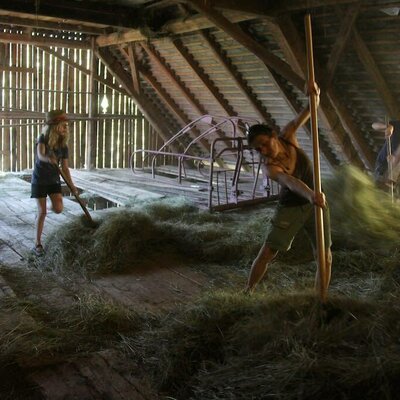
<point>271,7</point>
<point>43,41</point>
<point>274,8</point>
<point>230,69</point>
<point>159,123</point>
<point>375,74</point>
<point>233,30</point>
<point>106,14</point>
<point>340,44</point>
<point>177,27</point>
<point>50,25</point>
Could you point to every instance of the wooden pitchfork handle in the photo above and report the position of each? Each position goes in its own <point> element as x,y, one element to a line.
<point>319,221</point>
<point>79,200</point>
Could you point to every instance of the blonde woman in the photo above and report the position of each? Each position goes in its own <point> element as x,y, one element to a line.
<point>51,152</point>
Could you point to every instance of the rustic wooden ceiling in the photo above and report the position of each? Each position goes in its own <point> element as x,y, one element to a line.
<point>181,59</point>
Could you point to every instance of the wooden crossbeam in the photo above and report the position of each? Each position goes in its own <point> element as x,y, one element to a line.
<point>42,41</point>
<point>272,7</point>
<point>233,74</point>
<point>17,69</point>
<point>290,38</point>
<point>176,27</point>
<point>79,11</point>
<point>30,21</point>
<point>340,44</point>
<point>160,124</point>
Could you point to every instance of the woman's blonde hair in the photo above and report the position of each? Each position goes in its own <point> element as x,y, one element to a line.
<point>53,139</point>
<point>54,119</point>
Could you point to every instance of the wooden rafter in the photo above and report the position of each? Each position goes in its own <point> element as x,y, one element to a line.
<point>290,38</point>
<point>105,81</point>
<point>159,123</point>
<point>237,78</point>
<point>165,97</point>
<point>340,44</point>
<point>233,30</point>
<point>208,83</point>
<point>375,74</point>
<point>173,78</point>
<point>192,24</point>
<point>182,117</point>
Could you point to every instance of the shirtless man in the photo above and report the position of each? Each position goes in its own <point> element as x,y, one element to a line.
<point>286,163</point>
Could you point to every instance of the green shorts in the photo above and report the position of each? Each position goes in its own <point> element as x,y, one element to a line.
<point>289,221</point>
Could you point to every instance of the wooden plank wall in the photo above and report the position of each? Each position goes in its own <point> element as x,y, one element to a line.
<point>35,81</point>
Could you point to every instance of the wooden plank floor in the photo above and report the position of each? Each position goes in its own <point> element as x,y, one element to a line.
<point>99,374</point>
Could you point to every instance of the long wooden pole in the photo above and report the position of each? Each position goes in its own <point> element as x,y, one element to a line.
<point>319,222</point>
<point>389,161</point>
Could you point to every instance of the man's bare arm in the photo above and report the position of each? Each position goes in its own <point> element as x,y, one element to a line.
<point>289,131</point>
<point>295,185</point>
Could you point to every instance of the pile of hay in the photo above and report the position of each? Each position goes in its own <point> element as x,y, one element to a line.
<point>153,231</point>
<point>229,346</point>
<point>362,215</point>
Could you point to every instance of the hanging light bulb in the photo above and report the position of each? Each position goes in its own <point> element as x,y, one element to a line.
<point>104,104</point>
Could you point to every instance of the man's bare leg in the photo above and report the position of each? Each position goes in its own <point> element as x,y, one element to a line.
<point>259,267</point>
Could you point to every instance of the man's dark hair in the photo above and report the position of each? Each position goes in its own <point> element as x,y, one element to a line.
<point>258,129</point>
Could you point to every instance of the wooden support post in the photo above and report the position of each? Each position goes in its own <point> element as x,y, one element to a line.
<point>134,67</point>
<point>319,222</point>
<point>91,133</point>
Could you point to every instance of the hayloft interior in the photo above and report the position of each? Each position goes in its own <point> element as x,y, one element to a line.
<point>139,293</point>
